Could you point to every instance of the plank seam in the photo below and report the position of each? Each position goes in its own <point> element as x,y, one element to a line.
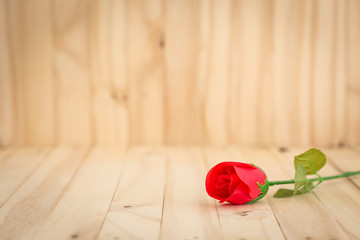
<point>6,155</point>
<point>125,155</point>
<point>275,153</point>
<point>333,164</point>
<point>334,218</point>
<point>46,154</point>
<point>167,165</point>
<point>85,155</point>
<point>276,218</point>
<point>206,164</point>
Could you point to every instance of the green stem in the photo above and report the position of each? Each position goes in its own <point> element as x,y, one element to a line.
<point>345,174</point>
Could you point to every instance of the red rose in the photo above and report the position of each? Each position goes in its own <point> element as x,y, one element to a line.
<point>236,183</point>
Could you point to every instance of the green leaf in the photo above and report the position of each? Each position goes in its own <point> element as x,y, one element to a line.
<point>306,188</point>
<point>282,193</point>
<point>300,178</point>
<point>312,160</point>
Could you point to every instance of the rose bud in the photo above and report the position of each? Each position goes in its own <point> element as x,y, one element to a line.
<point>236,183</point>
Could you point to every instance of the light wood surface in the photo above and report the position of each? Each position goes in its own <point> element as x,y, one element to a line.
<point>16,169</point>
<point>136,209</point>
<point>70,66</point>
<point>290,212</point>
<point>333,193</point>
<point>159,193</point>
<point>185,196</point>
<point>35,199</point>
<point>120,72</point>
<point>256,221</point>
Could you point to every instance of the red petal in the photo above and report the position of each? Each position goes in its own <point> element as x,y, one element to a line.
<point>240,195</point>
<point>235,180</point>
<point>242,186</point>
<point>223,181</point>
<point>211,182</point>
<point>250,176</point>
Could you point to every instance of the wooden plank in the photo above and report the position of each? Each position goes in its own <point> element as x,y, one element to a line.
<point>36,88</point>
<point>340,196</point>
<point>235,71</point>
<point>146,74</point>
<point>7,117</point>
<point>254,221</point>
<point>25,212</point>
<point>252,16</point>
<point>71,77</point>
<point>103,105</point>
<point>203,63</point>
<point>188,212</point>
<point>181,48</point>
<point>81,210</point>
<point>17,168</point>
<point>353,71</point>
<point>120,81</point>
<point>15,34</point>
<point>281,83</point>
<point>346,160</point>
<point>216,98</point>
<point>107,27</point>
<point>136,209</point>
<point>264,108</point>
<point>322,128</point>
<point>291,73</point>
<point>4,153</point>
<point>300,217</point>
<point>300,130</point>
<point>340,75</point>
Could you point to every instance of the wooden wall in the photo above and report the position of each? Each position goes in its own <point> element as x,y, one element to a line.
<point>123,72</point>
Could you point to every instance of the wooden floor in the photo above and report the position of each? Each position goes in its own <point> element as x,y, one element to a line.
<point>148,193</point>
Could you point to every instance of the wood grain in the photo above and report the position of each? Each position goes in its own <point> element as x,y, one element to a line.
<point>136,208</point>
<point>107,52</point>
<point>185,197</point>
<point>353,77</point>
<point>291,98</point>
<point>36,198</point>
<point>145,64</point>
<point>120,72</point>
<point>305,210</point>
<point>303,101</point>
<point>14,35</point>
<point>247,221</point>
<point>182,100</point>
<point>252,16</point>
<point>323,77</point>
<point>346,160</point>
<point>36,89</point>
<point>73,122</point>
<point>5,153</point>
<point>7,105</point>
<point>338,196</point>
<point>339,64</point>
<point>216,99</point>
<point>17,168</point>
<point>90,193</point>
<point>159,193</point>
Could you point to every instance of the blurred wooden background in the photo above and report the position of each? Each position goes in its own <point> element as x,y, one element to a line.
<point>125,72</point>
